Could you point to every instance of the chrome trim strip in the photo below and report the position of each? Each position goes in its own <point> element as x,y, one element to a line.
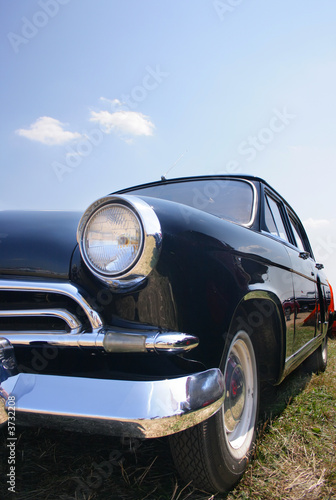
<point>145,409</point>
<point>59,287</point>
<point>70,319</point>
<point>54,338</point>
<point>148,341</point>
<point>116,341</point>
<point>293,361</point>
<point>152,240</point>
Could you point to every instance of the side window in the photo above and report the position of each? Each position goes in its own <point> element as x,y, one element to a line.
<point>297,235</point>
<point>269,220</point>
<point>273,218</point>
<point>302,242</point>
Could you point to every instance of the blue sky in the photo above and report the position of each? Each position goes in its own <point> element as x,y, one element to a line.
<point>102,95</point>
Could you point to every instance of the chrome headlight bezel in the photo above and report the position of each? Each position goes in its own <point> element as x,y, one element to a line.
<point>137,228</point>
<point>151,239</point>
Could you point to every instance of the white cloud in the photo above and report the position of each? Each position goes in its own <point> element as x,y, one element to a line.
<point>114,102</point>
<point>48,131</point>
<point>316,223</point>
<point>126,122</point>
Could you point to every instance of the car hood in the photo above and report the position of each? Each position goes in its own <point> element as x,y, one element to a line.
<point>38,244</point>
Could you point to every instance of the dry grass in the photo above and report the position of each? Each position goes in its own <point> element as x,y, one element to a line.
<point>295,457</point>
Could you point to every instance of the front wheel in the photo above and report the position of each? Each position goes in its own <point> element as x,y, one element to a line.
<point>214,454</point>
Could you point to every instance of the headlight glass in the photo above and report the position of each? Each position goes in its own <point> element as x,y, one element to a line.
<point>112,239</point>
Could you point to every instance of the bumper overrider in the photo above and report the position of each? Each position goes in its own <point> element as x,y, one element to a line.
<point>144,409</point>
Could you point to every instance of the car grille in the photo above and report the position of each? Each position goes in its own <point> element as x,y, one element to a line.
<point>40,309</point>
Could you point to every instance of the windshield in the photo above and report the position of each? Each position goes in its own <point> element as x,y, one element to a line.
<point>226,198</point>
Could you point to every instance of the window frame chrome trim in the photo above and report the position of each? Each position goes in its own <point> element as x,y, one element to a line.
<point>254,203</point>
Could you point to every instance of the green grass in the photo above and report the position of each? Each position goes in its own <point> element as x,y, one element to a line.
<point>295,457</point>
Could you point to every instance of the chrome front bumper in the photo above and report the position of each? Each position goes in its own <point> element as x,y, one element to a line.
<point>145,409</point>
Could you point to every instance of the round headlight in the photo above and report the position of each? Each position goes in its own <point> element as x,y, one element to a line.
<point>112,239</point>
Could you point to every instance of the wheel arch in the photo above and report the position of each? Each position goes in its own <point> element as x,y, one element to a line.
<point>260,314</point>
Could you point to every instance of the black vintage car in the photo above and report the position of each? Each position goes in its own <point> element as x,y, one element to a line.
<point>177,299</point>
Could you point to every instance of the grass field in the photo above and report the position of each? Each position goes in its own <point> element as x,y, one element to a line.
<point>295,457</point>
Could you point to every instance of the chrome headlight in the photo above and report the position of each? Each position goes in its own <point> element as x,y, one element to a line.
<point>112,239</point>
<point>119,239</point>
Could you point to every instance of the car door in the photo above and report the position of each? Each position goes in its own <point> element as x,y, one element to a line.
<point>300,308</point>
<point>274,225</point>
<point>305,283</point>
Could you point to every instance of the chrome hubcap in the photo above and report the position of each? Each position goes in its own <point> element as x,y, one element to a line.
<point>234,394</point>
<point>240,403</point>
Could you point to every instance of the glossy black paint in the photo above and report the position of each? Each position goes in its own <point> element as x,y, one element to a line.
<point>212,277</point>
<point>38,244</point>
<point>206,268</point>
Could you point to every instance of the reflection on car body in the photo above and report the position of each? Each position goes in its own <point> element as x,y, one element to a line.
<point>176,300</point>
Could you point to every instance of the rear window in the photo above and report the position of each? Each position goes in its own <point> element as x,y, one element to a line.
<point>228,199</point>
